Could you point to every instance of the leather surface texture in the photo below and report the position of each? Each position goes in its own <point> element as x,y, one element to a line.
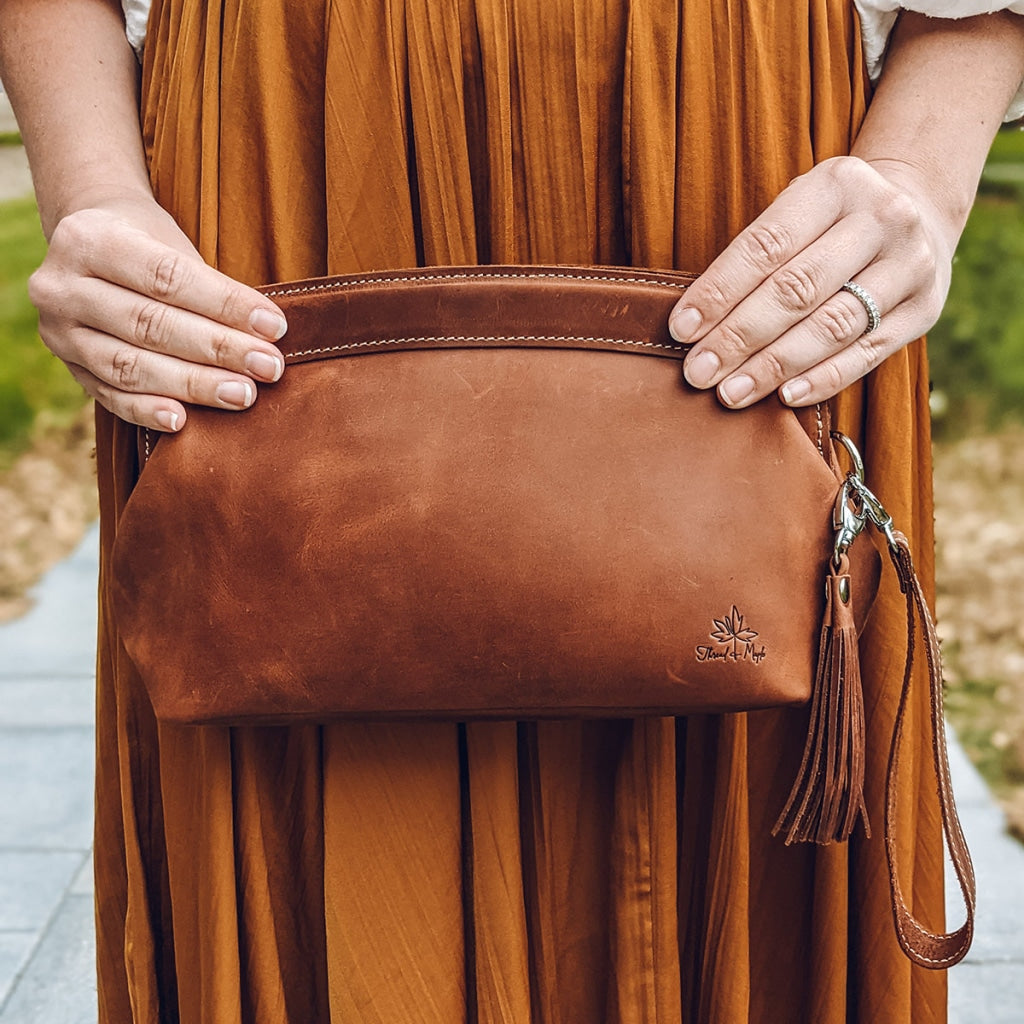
<point>480,492</point>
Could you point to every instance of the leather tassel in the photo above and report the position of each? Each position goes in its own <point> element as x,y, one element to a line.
<point>828,795</point>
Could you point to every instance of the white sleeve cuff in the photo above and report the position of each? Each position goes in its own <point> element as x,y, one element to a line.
<point>877,18</point>
<point>136,14</point>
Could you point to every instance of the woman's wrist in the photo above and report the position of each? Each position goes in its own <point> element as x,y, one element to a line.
<point>939,104</point>
<point>946,215</point>
<point>73,83</point>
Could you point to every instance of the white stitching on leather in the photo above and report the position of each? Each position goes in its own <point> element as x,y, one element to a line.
<point>943,961</point>
<point>950,957</point>
<point>483,275</point>
<point>462,339</point>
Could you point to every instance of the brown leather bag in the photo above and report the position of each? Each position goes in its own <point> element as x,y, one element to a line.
<point>489,492</point>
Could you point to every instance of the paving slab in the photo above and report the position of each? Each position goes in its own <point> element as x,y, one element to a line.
<point>989,985</point>
<point>15,177</point>
<point>985,994</point>
<point>15,949</point>
<point>83,883</point>
<point>7,121</point>
<point>33,884</point>
<point>57,638</point>
<point>47,703</point>
<point>46,788</point>
<point>58,986</point>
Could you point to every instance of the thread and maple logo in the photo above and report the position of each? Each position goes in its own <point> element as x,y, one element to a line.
<point>734,641</point>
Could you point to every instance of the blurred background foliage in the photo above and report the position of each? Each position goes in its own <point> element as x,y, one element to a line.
<point>977,347</point>
<point>35,388</point>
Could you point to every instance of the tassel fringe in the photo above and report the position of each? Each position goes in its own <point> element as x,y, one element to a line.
<point>828,795</point>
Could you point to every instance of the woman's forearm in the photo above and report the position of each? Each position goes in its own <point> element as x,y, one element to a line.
<point>941,98</point>
<point>73,83</point>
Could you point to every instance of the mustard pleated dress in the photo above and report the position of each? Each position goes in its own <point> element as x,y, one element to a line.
<point>577,872</point>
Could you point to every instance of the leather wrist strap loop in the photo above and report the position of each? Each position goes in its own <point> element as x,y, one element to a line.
<point>923,946</point>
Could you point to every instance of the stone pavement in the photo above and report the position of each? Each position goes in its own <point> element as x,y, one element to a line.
<point>15,179</point>
<point>46,719</point>
<point>46,778</point>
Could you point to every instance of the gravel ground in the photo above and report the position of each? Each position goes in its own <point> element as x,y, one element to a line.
<point>49,498</point>
<point>979,521</point>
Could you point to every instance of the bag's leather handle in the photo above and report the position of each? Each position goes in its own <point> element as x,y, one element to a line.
<point>923,946</point>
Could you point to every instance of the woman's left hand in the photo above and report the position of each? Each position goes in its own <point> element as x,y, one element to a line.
<point>770,312</point>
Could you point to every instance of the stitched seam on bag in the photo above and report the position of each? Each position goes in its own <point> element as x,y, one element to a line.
<point>460,339</point>
<point>337,285</point>
<point>821,431</point>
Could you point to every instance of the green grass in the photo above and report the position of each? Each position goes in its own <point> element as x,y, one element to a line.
<point>977,347</point>
<point>1008,146</point>
<point>1004,174</point>
<point>32,381</point>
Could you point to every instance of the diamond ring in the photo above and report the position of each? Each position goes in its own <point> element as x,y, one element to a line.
<point>869,304</point>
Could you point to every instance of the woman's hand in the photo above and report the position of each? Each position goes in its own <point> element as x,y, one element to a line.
<point>769,312</point>
<point>144,324</point>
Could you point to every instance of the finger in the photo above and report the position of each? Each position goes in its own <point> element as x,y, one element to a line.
<point>829,377</point>
<point>128,256</point>
<point>153,411</point>
<point>801,213</point>
<point>159,327</point>
<point>839,322</point>
<point>122,367</point>
<point>784,299</point>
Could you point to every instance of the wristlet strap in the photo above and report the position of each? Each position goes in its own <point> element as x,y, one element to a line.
<point>921,945</point>
<point>827,798</point>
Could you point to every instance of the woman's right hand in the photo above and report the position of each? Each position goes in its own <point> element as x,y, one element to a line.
<point>144,324</point>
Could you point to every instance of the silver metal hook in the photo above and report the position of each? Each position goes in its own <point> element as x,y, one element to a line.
<point>851,450</point>
<point>848,519</point>
<point>857,503</point>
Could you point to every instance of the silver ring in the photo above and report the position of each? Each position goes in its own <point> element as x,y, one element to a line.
<point>869,304</point>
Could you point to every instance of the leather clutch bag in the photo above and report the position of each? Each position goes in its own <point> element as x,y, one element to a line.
<point>480,492</point>
<point>489,492</point>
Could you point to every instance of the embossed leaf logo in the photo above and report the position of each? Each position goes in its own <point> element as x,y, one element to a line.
<point>730,629</point>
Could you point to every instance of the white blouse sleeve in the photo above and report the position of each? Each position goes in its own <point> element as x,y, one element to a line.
<point>136,14</point>
<point>877,18</point>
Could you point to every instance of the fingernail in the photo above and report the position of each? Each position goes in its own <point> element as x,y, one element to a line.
<point>701,369</point>
<point>168,420</point>
<point>236,393</point>
<point>735,389</point>
<point>794,390</point>
<point>270,325</point>
<point>264,366</point>
<point>685,324</point>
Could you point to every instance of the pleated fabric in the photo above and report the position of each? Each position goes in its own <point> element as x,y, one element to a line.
<point>502,873</point>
